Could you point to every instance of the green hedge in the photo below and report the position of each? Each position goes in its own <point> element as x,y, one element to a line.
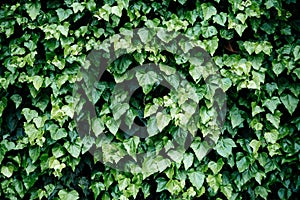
<point>255,45</point>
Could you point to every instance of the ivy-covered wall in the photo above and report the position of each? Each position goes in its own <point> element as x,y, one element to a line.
<point>255,45</point>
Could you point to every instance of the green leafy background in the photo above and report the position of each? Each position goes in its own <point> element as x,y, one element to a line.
<point>255,45</point>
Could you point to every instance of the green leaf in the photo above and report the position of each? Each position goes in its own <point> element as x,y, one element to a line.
<point>37,82</point>
<point>197,179</point>
<point>208,11</point>
<point>188,160</point>
<point>146,79</point>
<point>243,164</point>
<point>119,109</point>
<point>97,126</point>
<point>174,186</point>
<point>63,14</point>
<point>220,18</point>
<point>236,117</point>
<point>214,181</point>
<point>216,166</point>
<point>33,9</point>
<point>162,120</point>
<point>275,118</point>
<point>17,99</point>
<point>227,191</point>
<point>7,170</point>
<point>224,147</point>
<point>290,102</point>
<point>272,136</point>
<point>77,7</point>
<point>152,128</point>
<point>59,134</point>
<point>29,114</point>
<point>296,53</point>
<point>255,144</point>
<point>261,191</point>
<point>73,148</point>
<point>113,125</point>
<point>161,184</point>
<point>272,103</point>
<point>68,195</point>
<point>150,109</point>
<point>277,67</point>
<point>3,104</point>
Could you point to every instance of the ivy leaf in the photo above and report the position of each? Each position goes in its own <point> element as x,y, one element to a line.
<point>97,126</point>
<point>274,119</point>
<point>261,191</point>
<point>161,184</point>
<point>290,102</point>
<point>7,170</point>
<point>208,11</point>
<point>146,79</point>
<point>272,103</point>
<point>17,99</point>
<point>236,117</point>
<point>63,14</point>
<point>59,134</point>
<point>224,147</point>
<point>296,53</point>
<point>29,114</point>
<point>197,179</point>
<point>77,7</point>
<point>255,144</point>
<point>272,136</point>
<point>68,195</point>
<point>37,82</point>
<point>162,120</point>
<point>243,164</point>
<point>216,166</point>
<point>119,109</point>
<point>188,160</point>
<point>33,9</point>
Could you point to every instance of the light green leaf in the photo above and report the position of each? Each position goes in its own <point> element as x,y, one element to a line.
<point>7,170</point>
<point>272,103</point>
<point>146,79</point>
<point>59,134</point>
<point>197,179</point>
<point>77,7</point>
<point>208,11</point>
<point>275,118</point>
<point>216,166</point>
<point>162,120</point>
<point>29,114</point>
<point>236,117</point>
<point>63,14</point>
<point>33,9</point>
<point>188,160</point>
<point>261,191</point>
<point>243,164</point>
<point>255,144</point>
<point>227,191</point>
<point>272,136</point>
<point>113,125</point>
<point>296,53</point>
<point>17,99</point>
<point>214,181</point>
<point>150,109</point>
<point>290,102</point>
<point>37,82</point>
<point>224,147</point>
<point>97,126</point>
<point>68,195</point>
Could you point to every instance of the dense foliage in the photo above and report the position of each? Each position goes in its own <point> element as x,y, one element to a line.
<point>255,45</point>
